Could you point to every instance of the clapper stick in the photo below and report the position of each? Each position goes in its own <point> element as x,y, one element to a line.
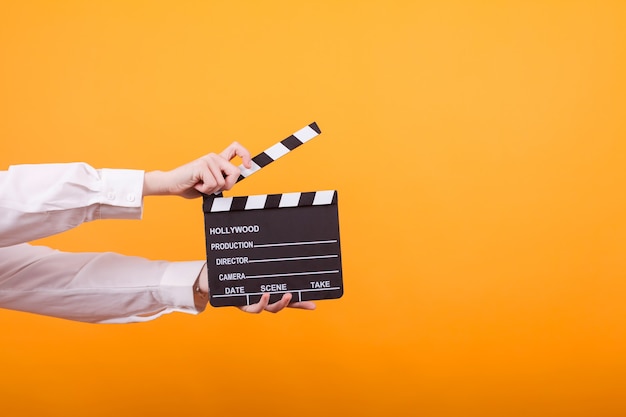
<point>280,149</point>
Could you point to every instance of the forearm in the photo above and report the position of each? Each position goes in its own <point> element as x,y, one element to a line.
<point>41,200</point>
<point>154,183</point>
<point>95,287</point>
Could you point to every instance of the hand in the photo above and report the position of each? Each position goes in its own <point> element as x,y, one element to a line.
<point>209,174</point>
<point>263,304</point>
<point>201,298</point>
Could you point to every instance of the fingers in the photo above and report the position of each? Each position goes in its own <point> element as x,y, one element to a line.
<point>215,174</point>
<point>303,305</point>
<point>258,307</point>
<point>279,305</point>
<point>209,174</point>
<point>212,177</point>
<point>231,175</point>
<point>219,174</point>
<point>235,149</point>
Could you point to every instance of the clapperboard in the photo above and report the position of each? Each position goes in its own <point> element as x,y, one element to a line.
<point>273,243</point>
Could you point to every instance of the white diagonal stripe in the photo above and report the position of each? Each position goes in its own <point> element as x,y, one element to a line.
<point>289,200</point>
<point>221,204</point>
<point>305,134</point>
<point>277,151</point>
<point>255,202</point>
<point>323,197</point>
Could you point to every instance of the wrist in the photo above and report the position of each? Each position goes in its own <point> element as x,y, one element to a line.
<point>201,290</point>
<point>151,183</point>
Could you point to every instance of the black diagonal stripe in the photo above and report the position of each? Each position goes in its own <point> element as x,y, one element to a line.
<point>334,198</point>
<point>262,159</point>
<point>291,142</point>
<point>306,199</point>
<point>272,201</point>
<point>315,127</point>
<point>239,203</point>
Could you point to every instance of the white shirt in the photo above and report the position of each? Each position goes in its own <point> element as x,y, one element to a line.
<point>44,199</point>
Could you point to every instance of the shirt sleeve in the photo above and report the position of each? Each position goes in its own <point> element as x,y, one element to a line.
<point>94,287</point>
<point>44,199</point>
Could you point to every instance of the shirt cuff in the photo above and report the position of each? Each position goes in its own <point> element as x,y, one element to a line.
<point>121,194</point>
<point>177,284</point>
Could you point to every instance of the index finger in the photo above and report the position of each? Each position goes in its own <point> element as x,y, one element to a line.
<point>235,149</point>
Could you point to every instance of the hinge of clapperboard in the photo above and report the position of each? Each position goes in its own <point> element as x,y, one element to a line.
<point>268,156</point>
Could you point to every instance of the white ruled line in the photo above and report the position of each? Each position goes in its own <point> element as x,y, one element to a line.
<point>273,292</point>
<point>310,242</point>
<point>292,274</point>
<point>294,258</point>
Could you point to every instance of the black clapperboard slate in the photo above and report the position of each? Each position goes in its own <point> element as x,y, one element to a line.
<point>273,243</point>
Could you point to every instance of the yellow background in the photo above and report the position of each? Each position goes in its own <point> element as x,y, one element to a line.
<point>479,152</point>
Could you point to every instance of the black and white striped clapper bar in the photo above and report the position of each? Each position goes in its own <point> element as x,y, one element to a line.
<point>273,243</point>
